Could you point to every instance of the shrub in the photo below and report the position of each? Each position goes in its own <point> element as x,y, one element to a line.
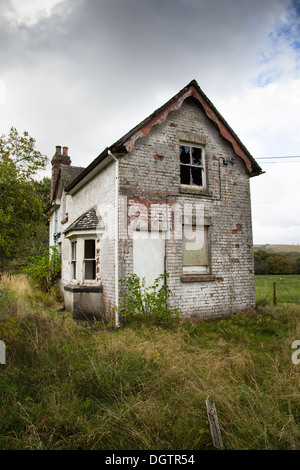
<point>147,303</point>
<point>44,269</point>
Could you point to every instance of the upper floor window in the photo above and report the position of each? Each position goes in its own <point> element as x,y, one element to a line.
<point>192,167</point>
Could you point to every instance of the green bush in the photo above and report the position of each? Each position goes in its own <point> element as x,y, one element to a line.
<point>147,303</point>
<point>44,269</point>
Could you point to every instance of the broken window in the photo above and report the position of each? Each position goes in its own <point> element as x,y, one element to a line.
<point>74,259</point>
<point>89,259</point>
<point>195,249</point>
<point>191,165</point>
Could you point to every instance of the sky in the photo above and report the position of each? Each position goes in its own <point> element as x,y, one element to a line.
<point>81,73</point>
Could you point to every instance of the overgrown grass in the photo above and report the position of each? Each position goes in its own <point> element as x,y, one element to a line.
<point>72,386</point>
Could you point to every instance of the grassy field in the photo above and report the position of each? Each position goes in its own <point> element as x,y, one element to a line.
<point>72,386</point>
<point>288,289</point>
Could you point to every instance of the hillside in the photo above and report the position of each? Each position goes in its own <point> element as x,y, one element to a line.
<point>278,248</point>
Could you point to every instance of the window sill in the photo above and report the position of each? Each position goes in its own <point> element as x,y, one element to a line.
<point>197,278</point>
<point>199,191</point>
<point>84,288</point>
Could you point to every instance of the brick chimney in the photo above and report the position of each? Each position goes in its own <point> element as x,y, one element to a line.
<point>57,160</point>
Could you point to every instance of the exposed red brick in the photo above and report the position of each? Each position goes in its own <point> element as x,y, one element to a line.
<point>219,279</point>
<point>237,245</point>
<point>158,157</point>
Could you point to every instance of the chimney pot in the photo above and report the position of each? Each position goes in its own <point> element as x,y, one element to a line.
<point>58,160</point>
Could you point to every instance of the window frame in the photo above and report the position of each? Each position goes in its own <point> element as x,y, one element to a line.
<point>201,269</point>
<point>80,258</point>
<point>74,267</point>
<point>190,165</point>
<point>85,260</point>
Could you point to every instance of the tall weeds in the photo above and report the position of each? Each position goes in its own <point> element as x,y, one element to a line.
<point>72,386</point>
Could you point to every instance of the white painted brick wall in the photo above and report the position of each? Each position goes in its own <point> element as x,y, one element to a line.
<point>100,193</point>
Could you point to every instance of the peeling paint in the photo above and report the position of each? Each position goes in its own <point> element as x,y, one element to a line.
<point>176,104</point>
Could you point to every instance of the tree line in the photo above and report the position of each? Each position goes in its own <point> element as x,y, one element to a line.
<point>276,263</point>
<point>23,198</point>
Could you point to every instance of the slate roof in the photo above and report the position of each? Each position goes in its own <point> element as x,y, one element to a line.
<point>87,221</point>
<point>69,173</point>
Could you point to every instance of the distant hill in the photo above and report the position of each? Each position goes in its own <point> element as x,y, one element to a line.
<point>278,248</point>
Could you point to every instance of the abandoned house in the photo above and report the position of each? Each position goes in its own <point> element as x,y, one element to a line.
<point>171,196</point>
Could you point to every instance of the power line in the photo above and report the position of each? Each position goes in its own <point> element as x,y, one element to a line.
<point>279,159</point>
<point>276,163</point>
<point>276,202</point>
<point>275,158</point>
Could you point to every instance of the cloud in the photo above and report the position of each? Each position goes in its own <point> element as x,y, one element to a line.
<point>26,12</point>
<point>275,203</point>
<point>81,73</point>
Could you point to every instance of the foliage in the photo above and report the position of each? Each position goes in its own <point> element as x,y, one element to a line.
<point>20,202</point>
<point>44,269</point>
<point>279,265</point>
<point>147,303</point>
<point>260,262</point>
<point>296,265</point>
<point>271,263</point>
<point>276,263</point>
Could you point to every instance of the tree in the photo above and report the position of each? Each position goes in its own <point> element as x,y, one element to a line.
<point>260,262</point>
<point>279,265</point>
<point>296,265</point>
<point>20,203</point>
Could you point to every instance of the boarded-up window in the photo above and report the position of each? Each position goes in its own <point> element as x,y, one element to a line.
<point>195,247</point>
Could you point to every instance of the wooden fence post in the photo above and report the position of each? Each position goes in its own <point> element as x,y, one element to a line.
<point>214,423</point>
<point>274,293</point>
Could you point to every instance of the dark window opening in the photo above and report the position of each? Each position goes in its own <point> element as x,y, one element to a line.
<point>89,260</point>
<point>191,166</point>
<point>74,259</point>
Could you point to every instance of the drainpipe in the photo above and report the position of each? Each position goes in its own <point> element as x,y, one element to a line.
<point>116,239</point>
<point>54,227</point>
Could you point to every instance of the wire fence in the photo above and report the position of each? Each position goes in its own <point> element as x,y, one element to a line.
<point>278,290</point>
